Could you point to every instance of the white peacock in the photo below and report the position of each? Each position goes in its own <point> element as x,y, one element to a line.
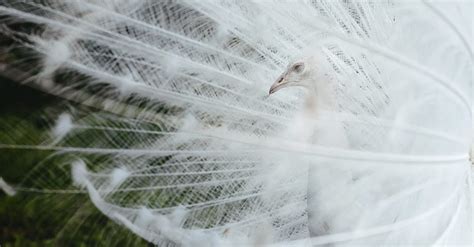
<point>363,139</point>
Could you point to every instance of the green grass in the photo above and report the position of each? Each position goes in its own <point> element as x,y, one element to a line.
<point>44,219</point>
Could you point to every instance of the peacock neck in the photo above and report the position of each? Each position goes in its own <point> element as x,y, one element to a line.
<point>319,97</point>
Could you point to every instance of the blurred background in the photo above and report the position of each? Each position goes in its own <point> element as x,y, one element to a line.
<point>39,218</point>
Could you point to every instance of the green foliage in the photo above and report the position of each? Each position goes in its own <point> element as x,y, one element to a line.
<point>33,218</point>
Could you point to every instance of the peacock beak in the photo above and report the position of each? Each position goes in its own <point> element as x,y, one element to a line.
<point>280,83</point>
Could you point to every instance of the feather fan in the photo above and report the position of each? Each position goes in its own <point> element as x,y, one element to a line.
<point>182,144</point>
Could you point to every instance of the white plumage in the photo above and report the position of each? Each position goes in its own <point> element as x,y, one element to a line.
<point>372,151</point>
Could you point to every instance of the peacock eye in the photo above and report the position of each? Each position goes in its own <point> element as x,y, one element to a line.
<point>298,68</point>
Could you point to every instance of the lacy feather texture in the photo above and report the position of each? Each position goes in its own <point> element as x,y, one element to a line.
<point>370,148</point>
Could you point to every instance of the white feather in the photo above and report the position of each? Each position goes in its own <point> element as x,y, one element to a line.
<point>376,156</point>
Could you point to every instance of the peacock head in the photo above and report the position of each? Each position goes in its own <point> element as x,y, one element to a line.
<point>297,74</point>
